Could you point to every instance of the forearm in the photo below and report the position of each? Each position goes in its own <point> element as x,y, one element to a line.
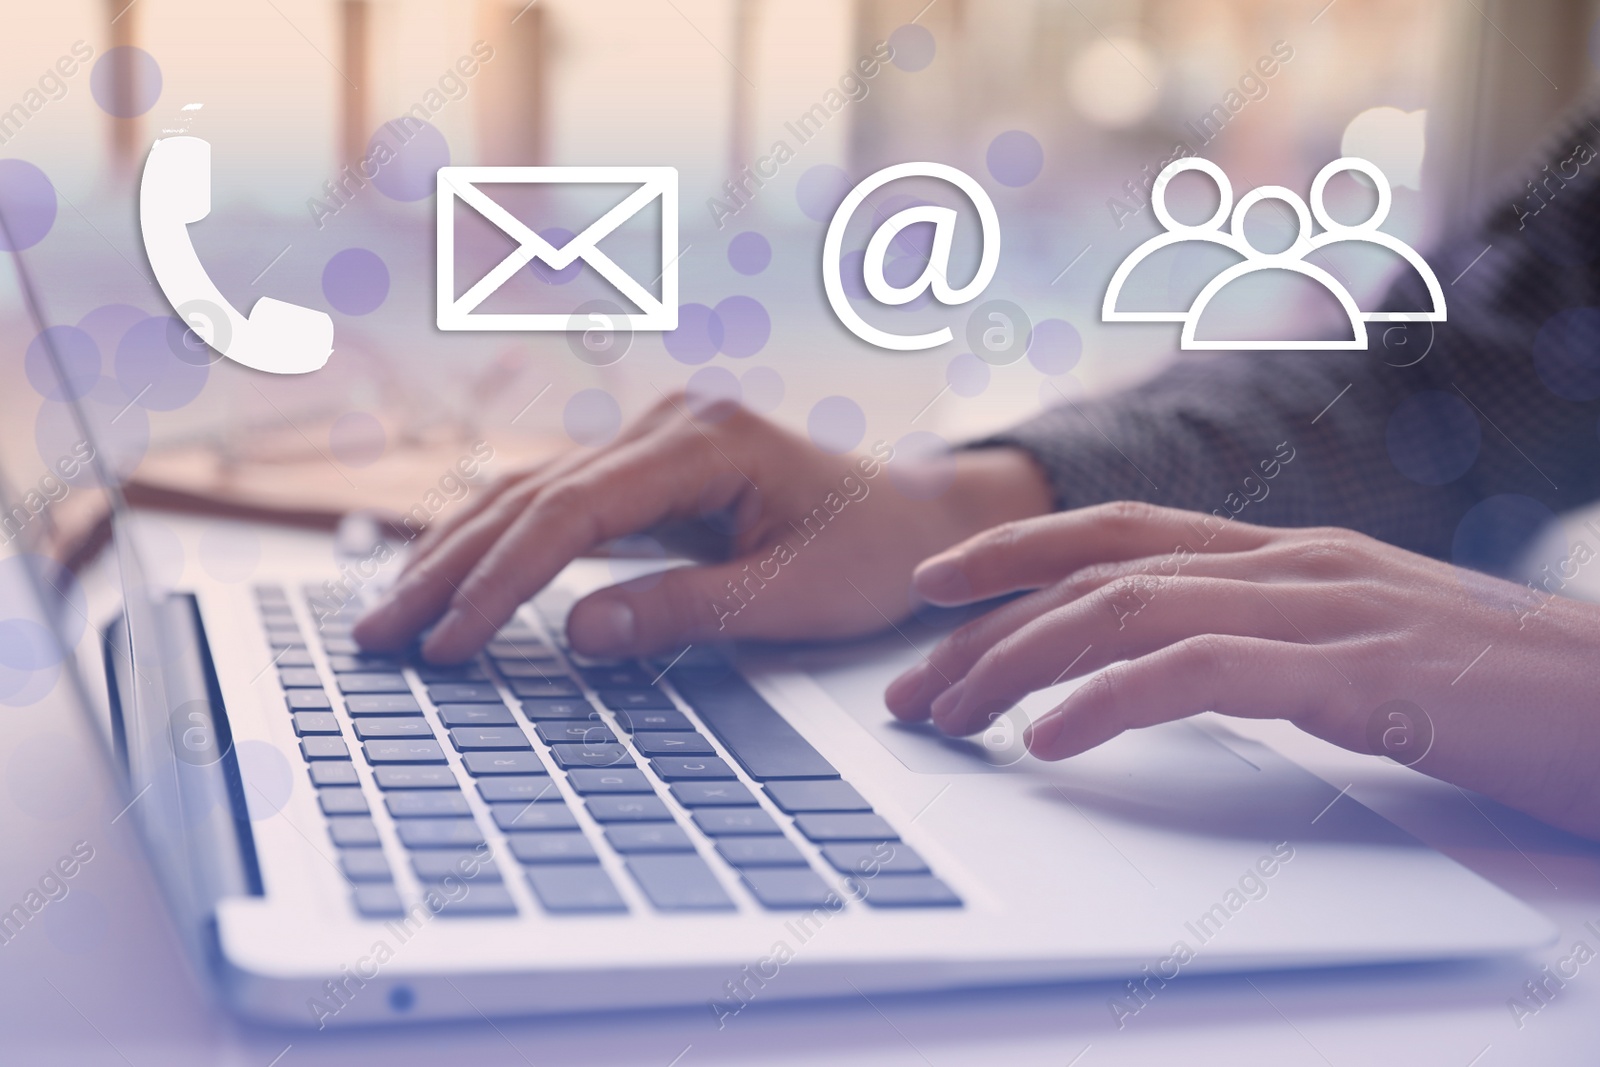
<point>1498,405</point>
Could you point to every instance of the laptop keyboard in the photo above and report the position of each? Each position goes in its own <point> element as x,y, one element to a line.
<point>584,774</point>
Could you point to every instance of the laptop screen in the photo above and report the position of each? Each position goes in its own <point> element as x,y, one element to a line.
<point>78,618</point>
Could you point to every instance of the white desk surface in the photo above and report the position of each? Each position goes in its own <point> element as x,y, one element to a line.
<point>98,977</point>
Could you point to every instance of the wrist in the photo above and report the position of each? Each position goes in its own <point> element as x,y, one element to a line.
<point>993,486</point>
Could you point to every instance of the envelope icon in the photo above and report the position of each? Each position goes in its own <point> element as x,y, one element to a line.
<point>461,184</point>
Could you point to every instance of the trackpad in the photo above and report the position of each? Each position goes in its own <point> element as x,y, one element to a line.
<point>856,675</point>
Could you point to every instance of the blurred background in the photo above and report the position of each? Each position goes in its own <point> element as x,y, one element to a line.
<point>1064,110</point>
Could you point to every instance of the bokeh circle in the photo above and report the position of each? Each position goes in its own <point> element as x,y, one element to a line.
<point>355,281</point>
<point>1433,437</point>
<point>592,417</point>
<point>749,253</point>
<point>836,424</point>
<point>130,68</point>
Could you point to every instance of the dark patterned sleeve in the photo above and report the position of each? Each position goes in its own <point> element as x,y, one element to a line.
<point>1503,406</point>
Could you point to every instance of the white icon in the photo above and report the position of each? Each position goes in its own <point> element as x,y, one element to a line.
<point>933,277</point>
<point>460,183</point>
<point>174,192</point>
<point>1291,258</point>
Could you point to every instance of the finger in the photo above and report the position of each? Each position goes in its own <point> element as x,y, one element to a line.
<point>423,590</point>
<point>1035,552</point>
<point>651,480</point>
<point>435,534</point>
<point>520,481</point>
<point>1241,676</point>
<point>724,601</point>
<point>430,579</point>
<point>1127,619</point>
<point>910,696</point>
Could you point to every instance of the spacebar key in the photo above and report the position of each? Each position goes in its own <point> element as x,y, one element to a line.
<point>750,728</point>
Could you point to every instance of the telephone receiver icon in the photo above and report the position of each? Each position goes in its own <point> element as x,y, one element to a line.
<point>276,337</point>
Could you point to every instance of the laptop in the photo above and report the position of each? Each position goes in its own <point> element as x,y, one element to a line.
<point>348,839</point>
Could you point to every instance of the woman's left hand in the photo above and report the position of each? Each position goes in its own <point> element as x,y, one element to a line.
<point>1474,680</point>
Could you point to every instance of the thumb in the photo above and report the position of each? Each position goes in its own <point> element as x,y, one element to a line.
<point>660,611</point>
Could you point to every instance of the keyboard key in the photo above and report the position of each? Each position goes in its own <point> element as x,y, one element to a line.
<point>560,846</point>
<point>533,817</point>
<point>294,657</point>
<point>425,803</point>
<point>377,901</point>
<point>387,726</point>
<point>438,833</point>
<point>333,774</point>
<point>712,795</point>
<point>414,777</point>
<point>678,768</point>
<point>845,826</point>
<point>617,676</point>
<point>871,860</point>
<point>583,732</point>
<point>339,646</point>
<point>759,738</point>
<point>656,720</point>
<point>460,672</point>
<point>382,704</point>
<point>589,781</point>
<point>518,648</point>
<point>307,700</point>
<point>347,830</point>
<point>282,639</point>
<point>624,808</point>
<point>403,751</point>
<point>631,837</point>
<point>635,699</point>
<point>553,710</point>
<point>529,668</point>
<point>679,882</point>
<point>591,756</point>
<point>502,763</point>
<point>725,822</point>
<point>824,795</point>
<point>342,800</point>
<point>553,688</point>
<point>664,744</point>
<point>364,865</point>
<point>745,852</point>
<point>475,715</point>
<point>463,693</point>
<point>788,887</point>
<point>373,682</point>
<point>345,664</point>
<point>474,865</point>
<point>475,900</point>
<point>574,887</point>
<point>908,891</point>
<point>315,748</point>
<point>299,678</point>
<point>480,738</point>
<point>526,790</point>
<point>309,723</point>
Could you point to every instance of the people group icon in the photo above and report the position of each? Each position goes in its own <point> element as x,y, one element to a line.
<point>1254,260</point>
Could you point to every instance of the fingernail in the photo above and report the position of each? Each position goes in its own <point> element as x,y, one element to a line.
<point>946,704</point>
<point>903,691</point>
<point>941,580</point>
<point>602,629</point>
<point>1042,736</point>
